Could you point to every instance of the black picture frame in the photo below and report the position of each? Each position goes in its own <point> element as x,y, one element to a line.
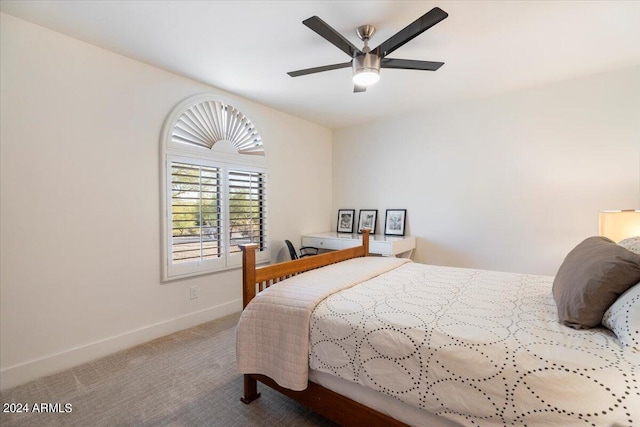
<point>394,222</point>
<point>345,220</point>
<point>367,218</point>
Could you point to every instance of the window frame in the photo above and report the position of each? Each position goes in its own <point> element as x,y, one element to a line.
<point>224,157</point>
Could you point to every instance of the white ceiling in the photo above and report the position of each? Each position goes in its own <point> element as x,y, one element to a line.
<point>246,47</point>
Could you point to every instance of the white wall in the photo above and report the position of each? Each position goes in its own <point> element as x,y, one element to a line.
<point>508,183</point>
<point>80,243</point>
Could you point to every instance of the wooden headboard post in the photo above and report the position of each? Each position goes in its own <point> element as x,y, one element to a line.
<point>248,272</point>
<point>365,240</point>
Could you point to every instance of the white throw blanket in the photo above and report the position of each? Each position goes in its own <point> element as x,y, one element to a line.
<point>273,332</point>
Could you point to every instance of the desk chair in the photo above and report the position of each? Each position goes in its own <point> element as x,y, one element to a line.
<point>304,251</point>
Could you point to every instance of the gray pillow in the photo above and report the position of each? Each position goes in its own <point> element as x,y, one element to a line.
<point>591,278</point>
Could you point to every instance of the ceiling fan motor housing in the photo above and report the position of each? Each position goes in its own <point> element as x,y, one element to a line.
<point>366,69</point>
<point>366,62</point>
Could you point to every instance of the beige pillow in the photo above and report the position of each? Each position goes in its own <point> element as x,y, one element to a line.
<point>591,278</point>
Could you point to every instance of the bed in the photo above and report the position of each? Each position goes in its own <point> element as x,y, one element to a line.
<point>385,341</point>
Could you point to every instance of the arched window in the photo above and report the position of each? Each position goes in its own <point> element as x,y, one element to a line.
<point>214,187</point>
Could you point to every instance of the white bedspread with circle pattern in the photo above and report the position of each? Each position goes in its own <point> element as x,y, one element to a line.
<point>479,347</point>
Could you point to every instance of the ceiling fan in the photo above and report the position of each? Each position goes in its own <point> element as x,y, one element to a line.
<point>366,63</point>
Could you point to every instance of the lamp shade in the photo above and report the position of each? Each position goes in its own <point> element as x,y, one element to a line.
<point>619,225</point>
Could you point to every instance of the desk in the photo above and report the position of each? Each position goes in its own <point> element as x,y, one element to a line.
<point>378,244</point>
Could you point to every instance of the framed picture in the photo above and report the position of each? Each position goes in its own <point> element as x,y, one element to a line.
<point>368,219</point>
<point>394,222</point>
<point>345,220</point>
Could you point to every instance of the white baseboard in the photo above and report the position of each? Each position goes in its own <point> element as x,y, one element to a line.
<point>20,374</point>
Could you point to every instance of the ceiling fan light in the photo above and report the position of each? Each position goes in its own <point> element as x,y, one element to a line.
<point>366,69</point>
<point>366,77</point>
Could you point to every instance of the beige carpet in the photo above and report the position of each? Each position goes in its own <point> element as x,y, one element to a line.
<point>185,379</point>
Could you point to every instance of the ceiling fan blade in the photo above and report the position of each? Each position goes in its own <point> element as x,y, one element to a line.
<point>319,69</point>
<point>331,35</point>
<point>410,64</point>
<point>357,89</point>
<point>411,31</point>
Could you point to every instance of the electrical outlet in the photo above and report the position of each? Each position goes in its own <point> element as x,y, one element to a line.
<point>193,292</point>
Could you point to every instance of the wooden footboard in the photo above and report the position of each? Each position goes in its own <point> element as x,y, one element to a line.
<point>328,403</point>
<point>255,280</point>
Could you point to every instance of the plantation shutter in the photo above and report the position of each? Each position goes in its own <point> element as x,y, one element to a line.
<point>208,122</point>
<point>214,174</point>
<point>247,209</point>
<point>195,213</point>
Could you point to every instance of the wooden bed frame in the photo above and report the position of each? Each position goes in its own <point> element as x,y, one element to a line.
<point>328,403</point>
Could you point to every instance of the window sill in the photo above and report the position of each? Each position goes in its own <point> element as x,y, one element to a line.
<point>207,273</point>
